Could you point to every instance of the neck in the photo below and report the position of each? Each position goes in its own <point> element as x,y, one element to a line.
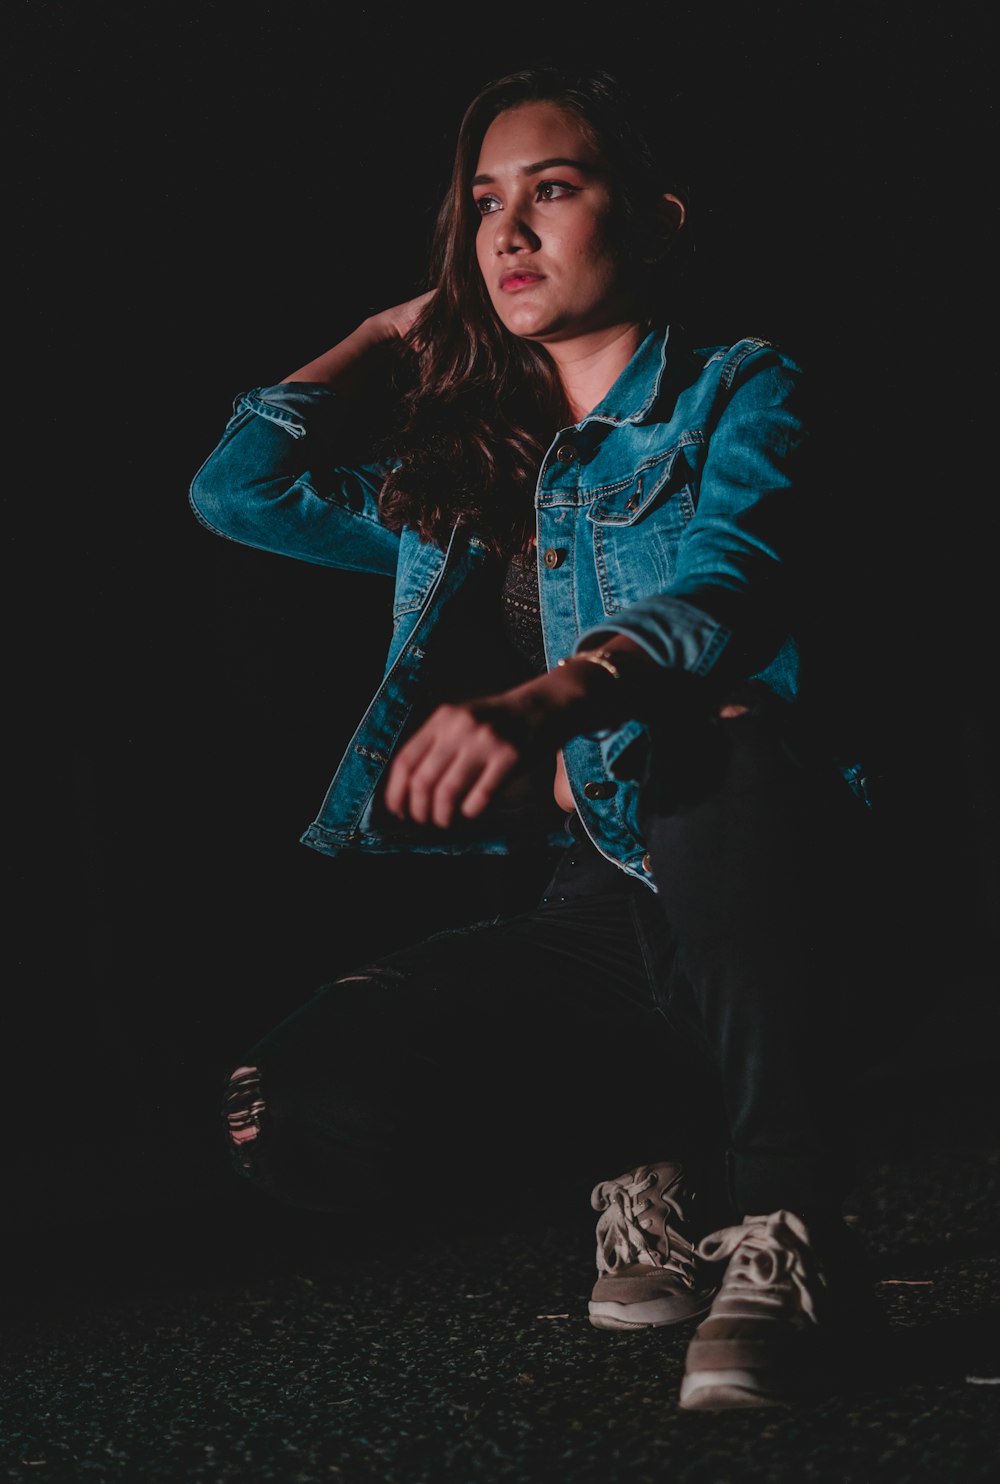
<point>589,366</point>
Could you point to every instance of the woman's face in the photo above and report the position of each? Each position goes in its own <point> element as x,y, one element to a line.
<point>544,243</point>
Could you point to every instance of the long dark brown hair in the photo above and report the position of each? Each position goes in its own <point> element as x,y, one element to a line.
<point>479,406</point>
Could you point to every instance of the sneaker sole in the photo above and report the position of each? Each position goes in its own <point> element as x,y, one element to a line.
<point>653,1314</point>
<point>719,1390</point>
<point>723,1391</point>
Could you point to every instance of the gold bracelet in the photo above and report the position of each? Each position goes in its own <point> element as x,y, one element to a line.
<point>595,657</point>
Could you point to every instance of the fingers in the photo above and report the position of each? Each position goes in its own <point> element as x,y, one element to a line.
<point>482,789</point>
<point>441,785</point>
<point>397,789</point>
<point>454,764</point>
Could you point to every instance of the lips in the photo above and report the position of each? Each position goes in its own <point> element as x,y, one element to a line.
<point>512,283</point>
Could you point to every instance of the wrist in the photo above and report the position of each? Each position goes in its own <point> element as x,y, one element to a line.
<point>620,675</point>
<point>593,691</point>
<point>372,334</point>
<point>380,331</point>
<point>602,657</point>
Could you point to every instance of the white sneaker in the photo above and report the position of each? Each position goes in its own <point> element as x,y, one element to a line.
<point>647,1270</point>
<point>765,1341</point>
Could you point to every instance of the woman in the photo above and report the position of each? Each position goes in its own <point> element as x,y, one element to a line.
<point>593,526</point>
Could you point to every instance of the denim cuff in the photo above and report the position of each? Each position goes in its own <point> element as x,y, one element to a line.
<point>290,404</point>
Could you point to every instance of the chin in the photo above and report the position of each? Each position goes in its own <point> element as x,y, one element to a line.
<point>535,327</point>
<point>525,326</point>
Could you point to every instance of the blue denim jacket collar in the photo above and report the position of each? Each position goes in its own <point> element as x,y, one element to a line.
<point>635,392</point>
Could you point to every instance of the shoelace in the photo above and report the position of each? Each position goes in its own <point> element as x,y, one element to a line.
<point>768,1257</point>
<point>621,1238</point>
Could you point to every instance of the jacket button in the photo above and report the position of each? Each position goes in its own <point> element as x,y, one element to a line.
<point>602,790</point>
<point>553,556</point>
<point>647,864</point>
<point>565,453</point>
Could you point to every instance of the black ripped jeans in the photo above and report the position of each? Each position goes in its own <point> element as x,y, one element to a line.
<point>720,1020</point>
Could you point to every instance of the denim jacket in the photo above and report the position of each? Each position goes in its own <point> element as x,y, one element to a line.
<point>665,514</point>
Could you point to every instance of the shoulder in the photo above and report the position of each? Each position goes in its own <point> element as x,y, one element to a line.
<point>701,384</point>
<point>726,363</point>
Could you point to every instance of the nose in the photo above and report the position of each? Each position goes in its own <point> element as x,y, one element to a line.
<point>513,234</point>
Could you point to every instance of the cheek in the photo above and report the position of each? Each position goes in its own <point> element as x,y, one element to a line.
<point>595,257</point>
<point>483,253</point>
<point>591,240</point>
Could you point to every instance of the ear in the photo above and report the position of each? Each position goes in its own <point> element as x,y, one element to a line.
<point>666,220</point>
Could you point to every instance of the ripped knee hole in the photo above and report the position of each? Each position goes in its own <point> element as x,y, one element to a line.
<point>243,1106</point>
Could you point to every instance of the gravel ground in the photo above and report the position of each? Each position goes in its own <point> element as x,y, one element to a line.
<point>222,1341</point>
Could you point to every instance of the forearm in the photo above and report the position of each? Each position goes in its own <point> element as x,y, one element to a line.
<point>579,695</point>
<point>347,366</point>
<point>606,685</point>
<point>274,482</point>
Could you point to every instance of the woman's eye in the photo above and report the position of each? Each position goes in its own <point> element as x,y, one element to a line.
<point>551,190</point>
<point>485,205</point>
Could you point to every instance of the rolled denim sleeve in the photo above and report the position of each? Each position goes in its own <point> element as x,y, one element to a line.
<point>274,481</point>
<point>726,611</point>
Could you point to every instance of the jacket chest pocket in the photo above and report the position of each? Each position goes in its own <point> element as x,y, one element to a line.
<point>637,527</point>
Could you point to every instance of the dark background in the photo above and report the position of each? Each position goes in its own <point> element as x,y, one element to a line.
<point>209,195</point>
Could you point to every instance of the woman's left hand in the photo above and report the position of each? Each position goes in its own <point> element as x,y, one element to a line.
<point>464,753</point>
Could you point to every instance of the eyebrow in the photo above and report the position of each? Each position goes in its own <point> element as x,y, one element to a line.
<point>583,166</point>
